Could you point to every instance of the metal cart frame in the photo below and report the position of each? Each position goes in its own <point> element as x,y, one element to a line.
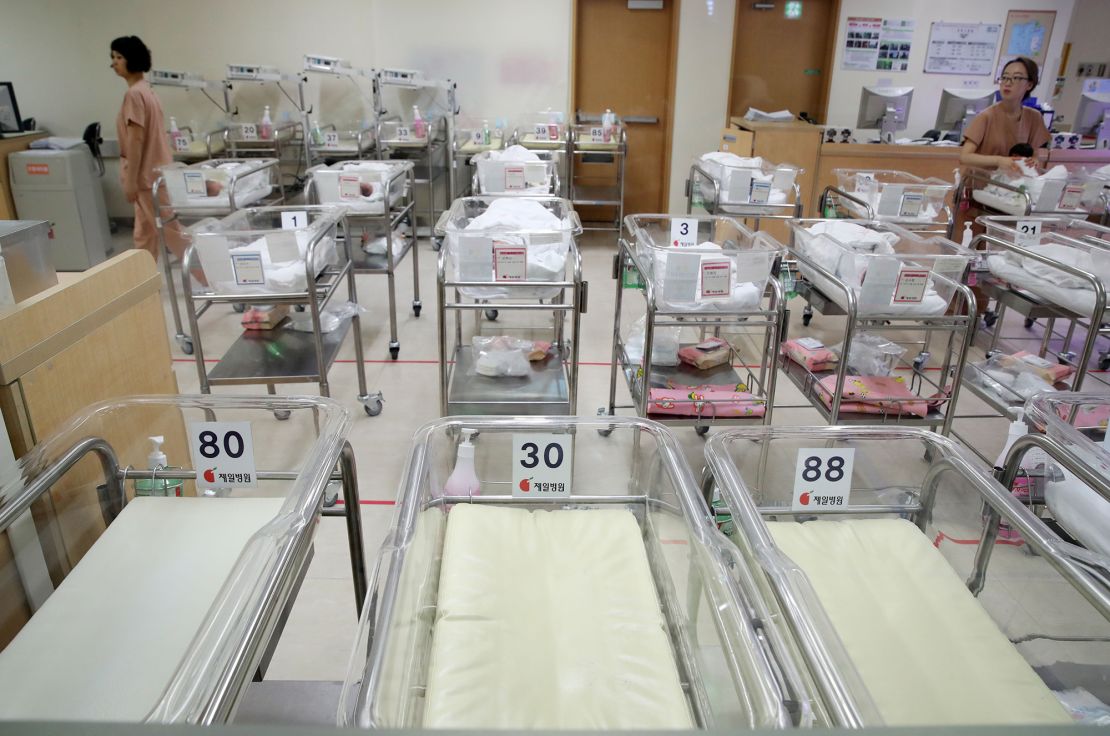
<point>757,212</point>
<point>772,318</point>
<point>246,361</point>
<point>958,326</point>
<point>455,366</point>
<point>551,158</point>
<point>285,135</point>
<point>944,227</point>
<point>373,264</point>
<point>186,80</point>
<point>841,693</point>
<point>463,170</point>
<point>194,214</point>
<point>327,66</point>
<point>590,195</point>
<point>252,655</point>
<point>769,678</point>
<point>981,176</point>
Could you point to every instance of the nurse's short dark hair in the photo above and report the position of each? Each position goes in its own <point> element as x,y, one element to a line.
<point>1031,71</point>
<point>134,52</point>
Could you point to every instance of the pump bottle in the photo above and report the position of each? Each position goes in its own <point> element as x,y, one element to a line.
<point>266,128</point>
<point>463,480</point>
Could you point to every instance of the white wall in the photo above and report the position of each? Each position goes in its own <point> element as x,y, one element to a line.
<point>1090,28</point>
<point>701,96</point>
<point>844,95</point>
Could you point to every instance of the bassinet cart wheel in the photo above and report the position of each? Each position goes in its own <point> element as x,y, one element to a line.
<point>394,350</point>
<point>989,318</point>
<point>702,430</point>
<point>491,315</point>
<point>282,414</point>
<point>372,405</point>
<point>807,316</point>
<point>239,308</point>
<point>1104,363</point>
<point>605,431</point>
<point>416,307</point>
<point>187,346</point>
<point>1029,322</point>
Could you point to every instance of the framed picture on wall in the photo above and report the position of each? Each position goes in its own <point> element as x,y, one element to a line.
<point>1028,33</point>
<point>10,122</point>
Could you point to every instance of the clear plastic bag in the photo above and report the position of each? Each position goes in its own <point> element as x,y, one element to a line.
<point>501,356</point>
<point>331,317</point>
<point>872,355</point>
<point>664,345</point>
<point>1002,374</point>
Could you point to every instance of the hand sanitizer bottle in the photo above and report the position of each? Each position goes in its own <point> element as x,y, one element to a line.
<point>154,486</point>
<point>485,132</point>
<point>418,127</point>
<point>266,127</point>
<point>463,480</point>
<point>317,134</point>
<point>174,130</point>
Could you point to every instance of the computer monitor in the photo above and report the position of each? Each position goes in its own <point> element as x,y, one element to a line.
<point>885,108</point>
<point>1093,108</point>
<point>959,106</point>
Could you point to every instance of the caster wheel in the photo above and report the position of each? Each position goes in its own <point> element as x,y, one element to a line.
<point>989,318</point>
<point>491,315</point>
<point>416,307</point>
<point>605,432</point>
<point>239,308</point>
<point>1104,363</point>
<point>394,351</point>
<point>806,319</point>
<point>187,347</point>
<point>702,430</point>
<point>282,414</point>
<point>373,408</point>
<point>299,308</point>
<point>1029,322</point>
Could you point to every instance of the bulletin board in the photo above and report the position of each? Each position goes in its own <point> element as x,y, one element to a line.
<point>1028,33</point>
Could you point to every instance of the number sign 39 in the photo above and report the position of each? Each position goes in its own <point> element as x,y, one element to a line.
<point>823,478</point>
<point>542,465</point>
<point>223,454</point>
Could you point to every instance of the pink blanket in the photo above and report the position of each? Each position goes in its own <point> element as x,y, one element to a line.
<point>815,359</point>
<point>874,395</point>
<point>705,401</point>
<point>1032,363</point>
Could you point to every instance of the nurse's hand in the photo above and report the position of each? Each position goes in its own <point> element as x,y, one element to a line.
<point>1007,165</point>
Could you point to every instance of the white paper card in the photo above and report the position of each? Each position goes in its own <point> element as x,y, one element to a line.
<point>810,343</point>
<point>542,465</point>
<point>890,200</point>
<point>1050,195</point>
<point>911,204</point>
<point>248,269</point>
<point>1100,263</point>
<point>294,219</point>
<point>823,478</point>
<point>404,133</point>
<point>680,280</point>
<point>475,258</point>
<point>751,266</point>
<point>761,192</point>
<point>879,282</point>
<point>1029,233</point>
<point>181,143</point>
<point>739,185</point>
<point>684,232</point>
<point>223,454</point>
<point>194,184</point>
<point>248,132</point>
<point>331,139</point>
<point>349,186</point>
<point>540,131</point>
<point>477,138</point>
<point>514,178</point>
<point>783,179</point>
<point>597,134</point>
<point>510,261</point>
<point>911,286</point>
<point>215,260</point>
<point>282,247</point>
<point>716,278</point>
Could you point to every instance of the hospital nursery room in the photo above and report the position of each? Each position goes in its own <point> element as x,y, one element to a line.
<point>554,365</point>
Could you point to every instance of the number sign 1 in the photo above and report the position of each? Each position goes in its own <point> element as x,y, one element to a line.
<point>223,454</point>
<point>542,465</point>
<point>823,478</point>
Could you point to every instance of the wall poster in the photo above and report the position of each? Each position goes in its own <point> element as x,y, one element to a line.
<point>962,48</point>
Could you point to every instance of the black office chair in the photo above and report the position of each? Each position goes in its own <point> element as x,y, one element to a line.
<point>93,140</point>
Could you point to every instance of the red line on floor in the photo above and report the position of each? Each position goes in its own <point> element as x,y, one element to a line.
<point>369,502</point>
<point>941,536</point>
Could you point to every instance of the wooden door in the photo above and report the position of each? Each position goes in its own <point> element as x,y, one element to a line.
<point>781,63</point>
<point>624,61</point>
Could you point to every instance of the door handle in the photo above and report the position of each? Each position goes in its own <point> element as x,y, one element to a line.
<point>641,120</point>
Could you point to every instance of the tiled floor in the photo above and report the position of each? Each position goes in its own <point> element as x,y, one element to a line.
<point>318,637</point>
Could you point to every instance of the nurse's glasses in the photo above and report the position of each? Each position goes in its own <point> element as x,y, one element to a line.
<point>1012,80</point>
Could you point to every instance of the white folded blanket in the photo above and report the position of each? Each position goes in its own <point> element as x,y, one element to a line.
<point>513,154</point>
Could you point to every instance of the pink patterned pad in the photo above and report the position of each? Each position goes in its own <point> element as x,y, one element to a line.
<point>815,359</point>
<point>705,401</point>
<point>874,395</point>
